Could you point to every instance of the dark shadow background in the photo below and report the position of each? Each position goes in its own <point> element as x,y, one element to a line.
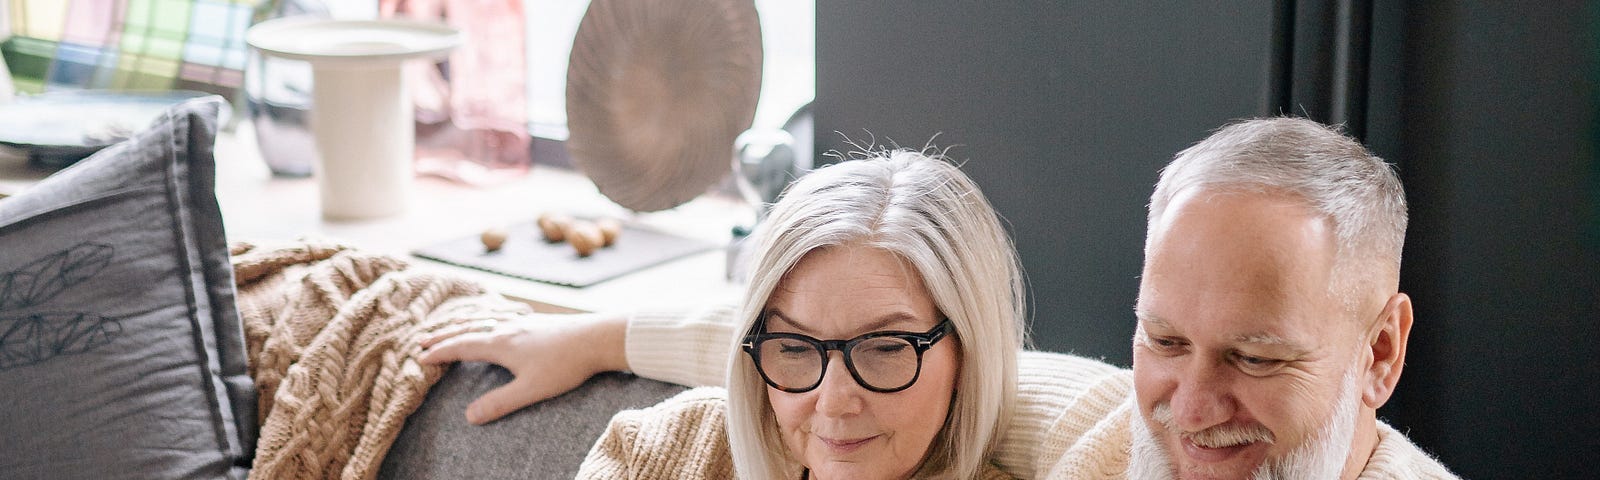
<point>1065,111</point>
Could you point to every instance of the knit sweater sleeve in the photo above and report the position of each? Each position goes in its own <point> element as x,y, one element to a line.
<point>610,456</point>
<point>690,347</point>
<point>1047,385</point>
<point>683,437</point>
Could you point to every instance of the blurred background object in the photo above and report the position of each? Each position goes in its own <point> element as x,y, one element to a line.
<point>764,162</point>
<point>278,95</point>
<point>5,82</point>
<point>471,110</point>
<point>56,129</point>
<point>127,44</point>
<point>5,33</point>
<point>361,116</point>
<point>130,58</point>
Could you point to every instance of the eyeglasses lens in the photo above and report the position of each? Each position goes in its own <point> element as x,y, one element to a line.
<point>883,363</point>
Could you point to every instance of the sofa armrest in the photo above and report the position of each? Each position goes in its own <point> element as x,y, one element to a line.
<point>546,440</point>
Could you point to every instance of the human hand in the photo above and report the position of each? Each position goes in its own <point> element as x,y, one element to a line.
<point>547,354</point>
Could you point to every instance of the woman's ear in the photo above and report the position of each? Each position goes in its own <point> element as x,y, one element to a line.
<point>1386,341</point>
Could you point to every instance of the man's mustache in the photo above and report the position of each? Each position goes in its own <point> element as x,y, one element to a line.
<point>1225,435</point>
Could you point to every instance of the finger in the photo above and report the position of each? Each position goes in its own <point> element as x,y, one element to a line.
<point>470,347</point>
<point>445,334</point>
<point>457,330</point>
<point>501,401</point>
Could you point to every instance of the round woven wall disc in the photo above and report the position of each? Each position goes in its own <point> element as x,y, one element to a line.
<point>657,91</point>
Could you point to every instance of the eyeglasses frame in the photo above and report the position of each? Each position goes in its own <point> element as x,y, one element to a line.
<point>920,342</point>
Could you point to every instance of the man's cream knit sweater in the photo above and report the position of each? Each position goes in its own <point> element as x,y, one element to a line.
<point>1073,413</point>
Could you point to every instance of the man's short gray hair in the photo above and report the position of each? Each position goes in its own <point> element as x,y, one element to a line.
<point>1333,173</point>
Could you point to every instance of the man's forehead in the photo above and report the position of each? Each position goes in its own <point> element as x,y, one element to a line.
<point>1251,254</point>
<point>1238,205</point>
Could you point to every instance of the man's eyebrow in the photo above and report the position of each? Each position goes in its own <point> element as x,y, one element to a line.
<point>1147,319</point>
<point>1151,319</point>
<point>1264,338</point>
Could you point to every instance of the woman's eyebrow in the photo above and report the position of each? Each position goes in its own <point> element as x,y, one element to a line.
<point>774,316</point>
<point>882,322</point>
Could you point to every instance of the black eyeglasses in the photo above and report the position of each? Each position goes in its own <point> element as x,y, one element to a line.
<point>884,362</point>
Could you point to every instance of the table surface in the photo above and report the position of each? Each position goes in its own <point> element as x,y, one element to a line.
<point>259,207</point>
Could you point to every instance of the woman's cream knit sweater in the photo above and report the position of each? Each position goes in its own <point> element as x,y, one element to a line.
<point>684,437</point>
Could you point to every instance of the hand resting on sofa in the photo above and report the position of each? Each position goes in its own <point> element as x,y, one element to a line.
<point>546,354</point>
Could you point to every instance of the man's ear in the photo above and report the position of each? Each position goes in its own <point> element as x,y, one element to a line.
<point>1387,343</point>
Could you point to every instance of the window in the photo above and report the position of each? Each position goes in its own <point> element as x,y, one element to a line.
<point>198,45</point>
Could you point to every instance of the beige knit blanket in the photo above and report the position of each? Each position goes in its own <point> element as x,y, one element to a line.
<point>333,335</point>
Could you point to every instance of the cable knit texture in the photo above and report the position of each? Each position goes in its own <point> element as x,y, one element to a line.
<point>1073,413</point>
<point>333,335</point>
<point>684,437</point>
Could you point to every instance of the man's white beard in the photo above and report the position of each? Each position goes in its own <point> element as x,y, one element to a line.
<point>1321,457</point>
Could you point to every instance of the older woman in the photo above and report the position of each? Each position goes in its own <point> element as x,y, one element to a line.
<point>880,335</point>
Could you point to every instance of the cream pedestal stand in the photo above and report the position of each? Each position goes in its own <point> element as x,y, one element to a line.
<point>361,113</point>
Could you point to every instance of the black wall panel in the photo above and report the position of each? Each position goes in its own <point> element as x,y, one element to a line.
<point>1065,111</point>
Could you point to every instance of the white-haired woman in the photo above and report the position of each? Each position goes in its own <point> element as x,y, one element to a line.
<point>880,335</point>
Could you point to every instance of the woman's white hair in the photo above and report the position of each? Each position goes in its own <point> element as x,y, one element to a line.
<point>923,209</point>
<point>1332,173</point>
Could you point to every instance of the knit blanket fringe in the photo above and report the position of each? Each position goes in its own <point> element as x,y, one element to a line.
<point>333,335</point>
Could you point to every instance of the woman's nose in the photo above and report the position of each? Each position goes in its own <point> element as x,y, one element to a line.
<point>838,395</point>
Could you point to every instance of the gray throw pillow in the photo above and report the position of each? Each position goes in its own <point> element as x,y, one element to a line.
<point>121,351</point>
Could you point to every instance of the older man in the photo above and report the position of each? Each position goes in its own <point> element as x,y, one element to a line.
<point>1270,330</point>
<point>1270,323</point>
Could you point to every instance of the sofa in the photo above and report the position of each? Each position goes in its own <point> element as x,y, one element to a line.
<point>122,353</point>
